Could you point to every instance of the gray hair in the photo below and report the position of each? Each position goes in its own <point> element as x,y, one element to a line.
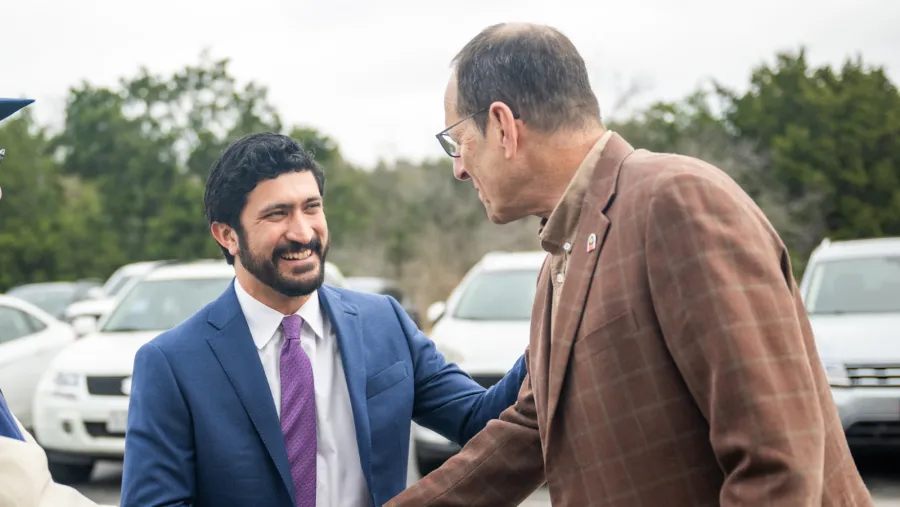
<point>535,70</point>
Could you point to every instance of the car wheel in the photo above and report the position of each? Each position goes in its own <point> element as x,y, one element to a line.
<point>67,473</point>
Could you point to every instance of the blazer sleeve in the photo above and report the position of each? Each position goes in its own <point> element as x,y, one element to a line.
<point>505,444</point>
<point>447,400</point>
<point>722,288</point>
<point>25,477</point>
<point>159,448</point>
<point>499,467</point>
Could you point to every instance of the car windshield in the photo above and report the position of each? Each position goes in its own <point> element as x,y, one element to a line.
<point>53,299</point>
<point>154,305</point>
<point>498,295</point>
<point>112,290</point>
<point>870,285</point>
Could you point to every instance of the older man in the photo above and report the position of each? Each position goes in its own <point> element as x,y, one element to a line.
<point>671,360</point>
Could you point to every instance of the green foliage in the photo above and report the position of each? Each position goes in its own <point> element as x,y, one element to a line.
<point>817,148</point>
<point>123,179</point>
<point>830,134</point>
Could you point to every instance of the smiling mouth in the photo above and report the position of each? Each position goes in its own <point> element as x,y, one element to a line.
<point>297,256</point>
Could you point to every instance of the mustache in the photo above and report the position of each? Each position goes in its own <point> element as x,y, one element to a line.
<point>314,245</point>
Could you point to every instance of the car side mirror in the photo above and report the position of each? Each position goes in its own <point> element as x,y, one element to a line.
<point>84,325</point>
<point>436,311</point>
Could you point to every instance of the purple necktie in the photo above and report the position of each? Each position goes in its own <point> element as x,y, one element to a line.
<point>298,412</point>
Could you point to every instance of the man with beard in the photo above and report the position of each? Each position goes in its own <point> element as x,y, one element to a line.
<point>283,391</point>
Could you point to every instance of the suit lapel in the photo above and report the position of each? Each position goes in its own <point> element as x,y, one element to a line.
<point>582,265</point>
<point>572,299</point>
<point>344,319</point>
<point>234,348</point>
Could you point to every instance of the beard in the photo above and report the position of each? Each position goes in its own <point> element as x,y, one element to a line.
<point>265,269</point>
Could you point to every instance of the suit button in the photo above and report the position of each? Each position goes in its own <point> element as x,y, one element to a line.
<point>560,278</point>
<point>567,247</point>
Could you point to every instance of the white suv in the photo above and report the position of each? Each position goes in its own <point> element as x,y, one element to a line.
<point>81,405</point>
<point>851,290</point>
<point>484,328</point>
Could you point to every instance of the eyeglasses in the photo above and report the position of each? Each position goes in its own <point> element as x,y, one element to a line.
<point>447,142</point>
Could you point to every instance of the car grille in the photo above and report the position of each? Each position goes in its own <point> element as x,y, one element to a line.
<point>105,386</point>
<point>867,433</point>
<point>487,381</point>
<point>874,376</point>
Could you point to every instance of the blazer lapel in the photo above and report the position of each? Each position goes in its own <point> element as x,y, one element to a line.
<point>593,226</point>
<point>234,348</point>
<point>345,322</point>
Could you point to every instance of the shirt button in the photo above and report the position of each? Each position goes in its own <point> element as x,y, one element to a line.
<point>567,247</point>
<point>560,278</point>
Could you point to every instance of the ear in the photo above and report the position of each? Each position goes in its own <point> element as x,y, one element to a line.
<point>226,236</point>
<point>504,121</point>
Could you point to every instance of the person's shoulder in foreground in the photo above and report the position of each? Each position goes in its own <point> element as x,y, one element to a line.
<point>25,479</point>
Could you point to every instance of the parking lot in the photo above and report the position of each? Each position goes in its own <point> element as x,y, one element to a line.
<point>881,471</point>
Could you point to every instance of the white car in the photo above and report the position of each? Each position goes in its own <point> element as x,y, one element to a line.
<point>484,328</point>
<point>103,299</point>
<point>29,340</point>
<point>334,276</point>
<point>851,290</point>
<point>81,407</point>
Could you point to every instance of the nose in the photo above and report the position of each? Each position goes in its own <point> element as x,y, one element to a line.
<point>300,230</point>
<point>459,170</point>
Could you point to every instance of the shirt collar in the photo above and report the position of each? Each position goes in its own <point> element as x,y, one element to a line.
<point>562,223</point>
<point>264,321</point>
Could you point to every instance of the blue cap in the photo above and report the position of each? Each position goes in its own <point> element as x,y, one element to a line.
<point>10,106</point>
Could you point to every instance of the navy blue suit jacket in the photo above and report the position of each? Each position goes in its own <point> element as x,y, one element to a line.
<point>202,425</point>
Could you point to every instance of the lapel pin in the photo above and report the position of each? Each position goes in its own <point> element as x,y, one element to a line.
<point>592,242</point>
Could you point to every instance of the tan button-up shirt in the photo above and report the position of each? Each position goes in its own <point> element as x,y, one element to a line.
<point>558,230</point>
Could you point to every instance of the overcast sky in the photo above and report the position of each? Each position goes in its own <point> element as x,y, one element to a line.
<point>372,74</point>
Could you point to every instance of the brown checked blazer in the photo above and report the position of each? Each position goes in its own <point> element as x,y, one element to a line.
<point>682,371</point>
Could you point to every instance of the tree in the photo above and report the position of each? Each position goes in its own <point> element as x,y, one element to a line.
<point>48,223</point>
<point>831,138</point>
<point>124,179</point>
<point>148,146</point>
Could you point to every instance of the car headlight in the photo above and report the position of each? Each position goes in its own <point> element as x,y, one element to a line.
<point>837,375</point>
<point>66,384</point>
<point>63,379</point>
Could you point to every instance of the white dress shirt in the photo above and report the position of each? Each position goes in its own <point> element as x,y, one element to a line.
<point>339,478</point>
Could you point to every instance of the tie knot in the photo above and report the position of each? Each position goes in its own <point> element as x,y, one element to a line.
<point>291,325</point>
